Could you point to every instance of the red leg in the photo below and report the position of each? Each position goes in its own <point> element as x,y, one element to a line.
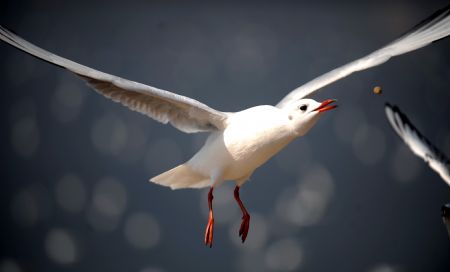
<point>210,225</point>
<point>243,231</point>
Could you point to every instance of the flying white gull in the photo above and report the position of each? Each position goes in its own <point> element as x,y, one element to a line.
<point>239,142</point>
<point>423,148</point>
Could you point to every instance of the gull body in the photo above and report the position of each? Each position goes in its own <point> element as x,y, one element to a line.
<point>242,141</point>
<point>250,138</point>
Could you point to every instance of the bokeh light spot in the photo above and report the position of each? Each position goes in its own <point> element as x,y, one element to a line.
<point>369,144</point>
<point>61,247</point>
<point>405,165</point>
<point>25,137</point>
<point>257,236</point>
<point>383,268</point>
<point>348,120</point>
<point>71,193</point>
<point>110,197</point>
<point>151,269</point>
<point>24,208</point>
<point>30,205</point>
<point>306,203</point>
<point>284,255</point>
<point>67,99</point>
<point>109,134</point>
<point>108,203</point>
<point>142,231</point>
<point>9,265</point>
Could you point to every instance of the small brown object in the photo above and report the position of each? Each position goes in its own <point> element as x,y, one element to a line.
<point>377,90</point>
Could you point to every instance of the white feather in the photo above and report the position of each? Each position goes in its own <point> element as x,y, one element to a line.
<point>420,145</point>
<point>184,113</point>
<point>435,27</point>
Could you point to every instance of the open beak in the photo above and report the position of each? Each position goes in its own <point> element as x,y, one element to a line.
<point>324,106</point>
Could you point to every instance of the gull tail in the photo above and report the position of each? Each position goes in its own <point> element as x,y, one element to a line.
<point>180,177</point>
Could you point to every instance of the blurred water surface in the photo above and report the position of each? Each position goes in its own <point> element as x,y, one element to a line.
<point>346,197</point>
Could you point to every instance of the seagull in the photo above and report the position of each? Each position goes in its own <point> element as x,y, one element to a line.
<point>421,147</point>
<point>238,142</point>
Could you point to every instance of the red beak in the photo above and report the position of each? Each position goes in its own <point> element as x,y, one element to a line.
<point>324,106</point>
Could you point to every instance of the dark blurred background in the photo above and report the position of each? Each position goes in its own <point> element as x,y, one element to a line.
<point>349,196</point>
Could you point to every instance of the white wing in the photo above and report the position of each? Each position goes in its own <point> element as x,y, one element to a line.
<point>418,143</point>
<point>435,27</point>
<point>184,113</point>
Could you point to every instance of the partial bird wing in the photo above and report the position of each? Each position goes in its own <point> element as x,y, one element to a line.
<point>184,113</point>
<point>446,216</point>
<point>435,27</point>
<point>420,145</point>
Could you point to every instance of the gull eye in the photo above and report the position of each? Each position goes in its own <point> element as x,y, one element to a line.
<point>303,107</point>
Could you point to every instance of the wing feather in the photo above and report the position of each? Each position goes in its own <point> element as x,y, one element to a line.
<point>184,113</point>
<point>420,145</point>
<point>432,29</point>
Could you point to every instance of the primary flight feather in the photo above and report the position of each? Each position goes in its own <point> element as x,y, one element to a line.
<point>421,147</point>
<point>239,142</point>
<point>418,143</point>
<point>434,28</point>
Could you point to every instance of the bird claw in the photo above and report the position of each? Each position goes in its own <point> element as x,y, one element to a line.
<point>245,225</point>
<point>209,231</point>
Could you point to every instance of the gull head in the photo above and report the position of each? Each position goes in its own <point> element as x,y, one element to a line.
<point>304,113</point>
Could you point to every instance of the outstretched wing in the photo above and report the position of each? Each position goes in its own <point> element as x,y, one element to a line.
<point>420,145</point>
<point>182,112</point>
<point>434,28</point>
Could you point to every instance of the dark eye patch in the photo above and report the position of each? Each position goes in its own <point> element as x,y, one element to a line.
<point>303,107</point>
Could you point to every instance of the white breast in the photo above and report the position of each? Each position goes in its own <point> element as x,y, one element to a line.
<point>252,137</point>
